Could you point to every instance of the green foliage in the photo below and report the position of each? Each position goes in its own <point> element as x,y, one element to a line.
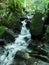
<point>2,30</point>
<point>37,5</point>
<point>11,13</point>
<point>14,6</point>
<point>6,34</point>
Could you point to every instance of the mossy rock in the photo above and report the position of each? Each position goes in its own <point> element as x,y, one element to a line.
<point>36,25</point>
<point>6,34</point>
<point>22,55</point>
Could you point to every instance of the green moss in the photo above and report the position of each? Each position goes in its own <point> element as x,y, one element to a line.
<point>36,25</point>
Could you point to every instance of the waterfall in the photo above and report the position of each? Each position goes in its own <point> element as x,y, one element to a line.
<point>19,44</point>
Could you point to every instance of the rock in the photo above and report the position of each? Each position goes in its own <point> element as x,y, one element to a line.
<point>26,39</point>
<point>23,18</point>
<point>41,63</point>
<point>19,62</point>
<point>37,25</point>
<point>46,47</point>
<point>37,49</point>
<point>7,34</point>
<point>34,44</point>
<point>22,55</point>
<point>28,24</point>
<point>2,42</point>
<point>22,58</point>
<point>41,57</point>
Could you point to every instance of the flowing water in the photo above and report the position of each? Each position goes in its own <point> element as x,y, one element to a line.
<point>19,44</point>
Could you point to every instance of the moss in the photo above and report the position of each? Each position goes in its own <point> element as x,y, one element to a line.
<point>36,25</point>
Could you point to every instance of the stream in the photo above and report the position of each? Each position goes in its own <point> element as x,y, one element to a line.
<point>19,44</point>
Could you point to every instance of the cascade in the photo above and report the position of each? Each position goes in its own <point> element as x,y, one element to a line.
<point>19,44</point>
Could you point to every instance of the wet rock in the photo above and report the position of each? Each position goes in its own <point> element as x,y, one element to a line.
<point>40,51</point>
<point>26,39</point>
<point>22,55</point>
<point>37,25</point>
<point>34,44</point>
<point>46,47</point>
<point>41,57</point>
<point>23,18</point>
<point>41,63</point>
<point>28,24</point>
<point>37,49</point>
<point>31,61</point>
<point>7,34</point>
<point>19,62</point>
<point>23,59</point>
<point>2,42</point>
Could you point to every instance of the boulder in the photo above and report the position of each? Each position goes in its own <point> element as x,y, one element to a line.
<point>37,24</point>
<point>22,55</point>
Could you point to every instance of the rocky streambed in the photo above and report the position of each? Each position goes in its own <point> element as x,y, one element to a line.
<point>29,47</point>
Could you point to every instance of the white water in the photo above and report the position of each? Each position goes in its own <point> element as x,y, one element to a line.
<point>18,45</point>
